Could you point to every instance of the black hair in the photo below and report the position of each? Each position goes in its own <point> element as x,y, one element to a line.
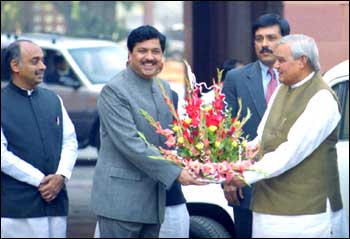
<point>58,59</point>
<point>12,52</point>
<point>144,33</point>
<point>228,65</point>
<point>271,19</point>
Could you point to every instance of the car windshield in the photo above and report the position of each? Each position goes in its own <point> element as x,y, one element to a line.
<point>100,64</point>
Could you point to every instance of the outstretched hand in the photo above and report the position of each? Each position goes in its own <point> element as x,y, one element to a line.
<point>187,178</point>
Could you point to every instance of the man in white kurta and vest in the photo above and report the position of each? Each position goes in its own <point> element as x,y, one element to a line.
<point>298,193</point>
<point>38,149</point>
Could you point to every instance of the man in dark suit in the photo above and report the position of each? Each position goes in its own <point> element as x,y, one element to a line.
<point>254,84</point>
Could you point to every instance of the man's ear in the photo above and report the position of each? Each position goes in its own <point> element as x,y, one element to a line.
<point>14,65</point>
<point>304,61</point>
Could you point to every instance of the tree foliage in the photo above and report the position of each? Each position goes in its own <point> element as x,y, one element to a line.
<point>82,18</point>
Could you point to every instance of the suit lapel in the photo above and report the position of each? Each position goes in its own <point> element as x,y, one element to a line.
<point>255,88</point>
<point>159,103</point>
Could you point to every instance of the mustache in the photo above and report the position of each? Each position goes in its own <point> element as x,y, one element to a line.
<point>39,72</point>
<point>266,50</point>
<point>148,61</point>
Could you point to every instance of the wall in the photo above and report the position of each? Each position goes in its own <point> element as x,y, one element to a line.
<point>327,22</point>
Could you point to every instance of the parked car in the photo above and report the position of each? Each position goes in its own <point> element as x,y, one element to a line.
<point>211,217</point>
<point>91,63</point>
<point>338,78</point>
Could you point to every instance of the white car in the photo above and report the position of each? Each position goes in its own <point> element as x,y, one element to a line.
<point>211,217</point>
<point>338,79</point>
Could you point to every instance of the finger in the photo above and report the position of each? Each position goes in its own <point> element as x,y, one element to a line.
<point>231,197</point>
<point>240,191</point>
<point>200,183</point>
<point>235,199</point>
<point>44,188</point>
<point>46,194</point>
<point>228,197</point>
<point>49,199</point>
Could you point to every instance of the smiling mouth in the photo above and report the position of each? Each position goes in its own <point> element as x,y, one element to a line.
<point>148,66</point>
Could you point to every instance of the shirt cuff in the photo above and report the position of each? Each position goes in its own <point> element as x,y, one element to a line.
<point>37,180</point>
<point>252,177</point>
<point>65,173</point>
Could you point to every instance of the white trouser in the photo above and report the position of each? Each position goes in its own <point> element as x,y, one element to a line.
<point>323,225</point>
<point>176,222</point>
<point>43,227</point>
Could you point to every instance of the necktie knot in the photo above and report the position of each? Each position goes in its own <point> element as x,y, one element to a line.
<point>271,86</point>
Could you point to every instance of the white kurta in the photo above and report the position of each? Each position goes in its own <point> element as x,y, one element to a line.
<point>314,125</point>
<point>25,172</point>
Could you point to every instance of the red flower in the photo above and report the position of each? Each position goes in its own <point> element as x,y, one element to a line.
<point>219,102</point>
<point>209,140</point>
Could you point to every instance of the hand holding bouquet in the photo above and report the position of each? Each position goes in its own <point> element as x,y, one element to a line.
<point>208,141</point>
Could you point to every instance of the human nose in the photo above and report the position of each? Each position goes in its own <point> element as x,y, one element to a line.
<point>149,55</point>
<point>276,65</point>
<point>42,65</point>
<point>265,42</point>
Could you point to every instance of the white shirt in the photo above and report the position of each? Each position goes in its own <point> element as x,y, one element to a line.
<point>266,77</point>
<point>305,135</point>
<point>25,172</point>
<point>19,169</point>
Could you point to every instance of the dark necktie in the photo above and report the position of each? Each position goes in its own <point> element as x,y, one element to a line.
<point>271,86</point>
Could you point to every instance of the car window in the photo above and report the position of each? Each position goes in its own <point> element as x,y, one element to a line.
<point>342,91</point>
<point>58,71</point>
<point>100,64</point>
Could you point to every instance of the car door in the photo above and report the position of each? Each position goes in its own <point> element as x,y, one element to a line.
<point>79,102</point>
<point>342,90</point>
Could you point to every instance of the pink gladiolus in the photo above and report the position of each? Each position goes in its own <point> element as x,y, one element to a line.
<point>209,140</point>
<point>171,140</point>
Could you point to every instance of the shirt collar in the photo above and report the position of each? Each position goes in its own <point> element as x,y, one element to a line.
<point>303,81</point>
<point>20,90</point>
<point>265,69</point>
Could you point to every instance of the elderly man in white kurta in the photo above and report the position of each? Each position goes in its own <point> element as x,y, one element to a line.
<point>299,194</point>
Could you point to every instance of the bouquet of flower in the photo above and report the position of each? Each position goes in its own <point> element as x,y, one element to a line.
<point>208,140</point>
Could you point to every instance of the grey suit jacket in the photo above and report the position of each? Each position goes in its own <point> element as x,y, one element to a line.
<point>128,185</point>
<point>246,83</point>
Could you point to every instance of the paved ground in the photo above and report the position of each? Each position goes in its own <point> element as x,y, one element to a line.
<point>81,220</point>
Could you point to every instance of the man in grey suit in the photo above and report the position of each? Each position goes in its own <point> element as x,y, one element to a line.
<point>128,193</point>
<point>253,84</point>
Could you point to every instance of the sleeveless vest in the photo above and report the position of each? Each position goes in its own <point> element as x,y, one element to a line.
<point>32,126</point>
<point>305,188</point>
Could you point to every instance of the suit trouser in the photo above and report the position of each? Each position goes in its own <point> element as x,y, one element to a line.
<point>243,222</point>
<point>111,228</point>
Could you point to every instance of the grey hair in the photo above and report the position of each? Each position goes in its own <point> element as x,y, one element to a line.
<point>302,45</point>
